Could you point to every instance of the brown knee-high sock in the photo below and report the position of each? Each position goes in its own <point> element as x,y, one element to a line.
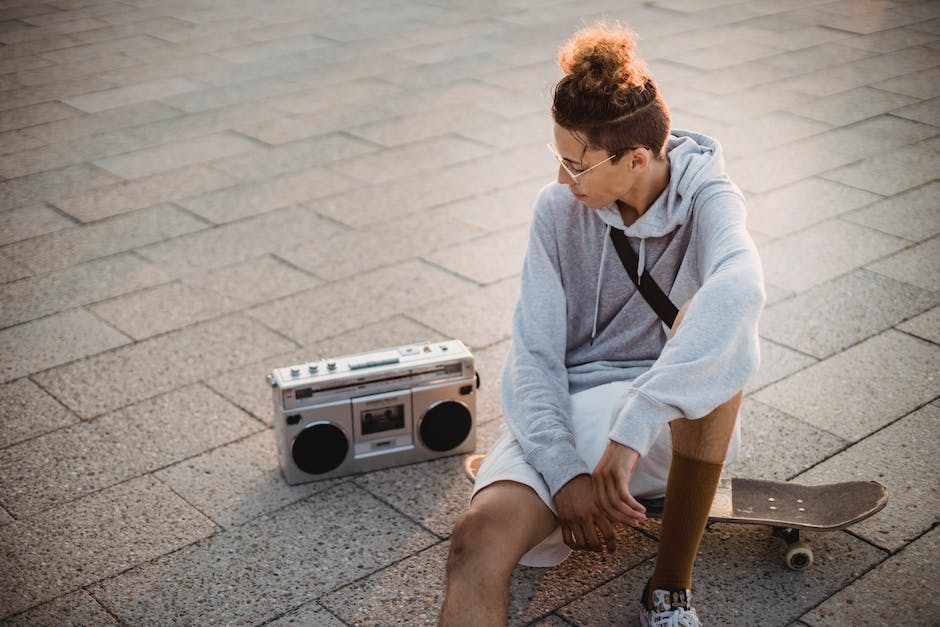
<point>690,489</point>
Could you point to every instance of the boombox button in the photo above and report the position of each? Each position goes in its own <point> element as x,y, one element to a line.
<point>466,389</point>
<point>295,372</point>
<point>331,365</point>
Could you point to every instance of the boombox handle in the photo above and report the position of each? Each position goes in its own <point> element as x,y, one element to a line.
<point>477,373</point>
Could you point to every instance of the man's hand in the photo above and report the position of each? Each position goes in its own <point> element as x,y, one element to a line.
<point>580,517</point>
<point>612,484</point>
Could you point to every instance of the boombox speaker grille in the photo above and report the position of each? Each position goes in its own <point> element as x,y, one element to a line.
<point>319,448</point>
<point>445,425</point>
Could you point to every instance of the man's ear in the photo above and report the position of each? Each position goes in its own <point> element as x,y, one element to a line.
<point>639,159</point>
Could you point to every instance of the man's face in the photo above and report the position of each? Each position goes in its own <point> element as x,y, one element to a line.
<point>590,174</point>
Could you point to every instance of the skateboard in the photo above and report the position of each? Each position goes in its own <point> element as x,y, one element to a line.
<point>787,508</point>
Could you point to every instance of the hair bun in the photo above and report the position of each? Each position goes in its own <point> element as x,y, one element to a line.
<point>600,60</point>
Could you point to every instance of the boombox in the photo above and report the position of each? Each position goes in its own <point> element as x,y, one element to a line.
<point>374,410</point>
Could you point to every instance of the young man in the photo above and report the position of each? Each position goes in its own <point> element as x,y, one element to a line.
<point>603,402</point>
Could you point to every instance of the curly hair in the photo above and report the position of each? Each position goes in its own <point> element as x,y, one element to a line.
<point>607,95</point>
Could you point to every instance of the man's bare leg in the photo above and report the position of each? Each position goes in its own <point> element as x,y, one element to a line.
<point>504,521</point>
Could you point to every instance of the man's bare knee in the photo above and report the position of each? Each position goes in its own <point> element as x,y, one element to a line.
<point>475,543</point>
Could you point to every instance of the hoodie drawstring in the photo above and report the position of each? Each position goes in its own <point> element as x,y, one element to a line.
<point>597,293</point>
<point>640,262</point>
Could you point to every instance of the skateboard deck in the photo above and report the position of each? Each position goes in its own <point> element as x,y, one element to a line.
<point>788,508</point>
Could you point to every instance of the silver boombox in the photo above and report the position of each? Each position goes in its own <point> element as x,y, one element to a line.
<point>374,410</point>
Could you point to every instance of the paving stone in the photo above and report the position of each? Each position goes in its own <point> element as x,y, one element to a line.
<point>890,40</point>
<point>927,112</point>
<point>418,126</point>
<point>140,43</point>
<point>248,52</point>
<point>194,125</point>
<point>25,222</point>
<point>767,131</point>
<point>293,156</point>
<point>239,241</point>
<point>58,339</point>
<point>27,411</point>
<point>15,119</point>
<point>280,130</point>
<point>891,172</point>
<point>899,456</point>
<point>822,252</point>
<point>488,362</point>
<point>72,246</point>
<point>119,96</point>
<point>17,141</point>
<point>913,215</point>
<point>802,204</point>
<point>853,105</point>
<point>75,609</point>
<point>926,325</point>
<point>246,388</point>
<point>479,317</point>
<point>58,90</point>
<point>10,270</point>
<point>108,200</point>
<point>280,561</point>
<point>95,537</point>
<point>861,389</point>
<point>788,164</point>
<point>817,57</point>
<point>738,562</point>
<point>262,196</point>
<point>237,482</point>
<point>834,315</point>
<point>308,614</point>
<point>254,281</point>
<point>500,209</point>
<point>227,95</point>
<point>40,296</point>
<point>100,384</point>
<point>748,103</point>
<point>777,446</point>
<point>432,233</point>
<point>35,188</point>
<point>733,78</point>
<point>921,84</point>
<point>875,136</point>
<point>66,153</point>
<point>487,259</point>
<point>337,307</point>
<point>164,308</point>
<point>884,594</point>
<point>88,457</point>
<point>916,265</point>
<point>174,155</point>
<point>777,362</point>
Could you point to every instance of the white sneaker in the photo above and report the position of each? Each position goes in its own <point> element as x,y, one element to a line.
<point>671,608</point>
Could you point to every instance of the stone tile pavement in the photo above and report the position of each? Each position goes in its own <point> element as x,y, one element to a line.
<point>193,192</point>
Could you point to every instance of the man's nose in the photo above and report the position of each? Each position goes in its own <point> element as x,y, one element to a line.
<point>564,178</point>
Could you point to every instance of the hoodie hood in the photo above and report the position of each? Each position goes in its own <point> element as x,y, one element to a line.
<point>694,159</point>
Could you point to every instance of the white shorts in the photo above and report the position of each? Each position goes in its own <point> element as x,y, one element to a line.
<point>593,413</point>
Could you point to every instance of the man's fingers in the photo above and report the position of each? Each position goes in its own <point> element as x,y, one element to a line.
<point>621,510</point>
<point>590,535</point>
<point>608,532</point>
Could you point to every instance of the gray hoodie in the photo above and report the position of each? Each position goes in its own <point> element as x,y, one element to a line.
<point>580,322</point>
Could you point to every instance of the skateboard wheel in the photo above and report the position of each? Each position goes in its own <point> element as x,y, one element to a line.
<point>799,556</point>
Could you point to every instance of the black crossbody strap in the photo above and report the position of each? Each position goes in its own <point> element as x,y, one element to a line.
<point>660,303</point>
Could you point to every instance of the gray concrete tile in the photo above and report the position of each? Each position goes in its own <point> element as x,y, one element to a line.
<point>922,84</point>
<point>338,307</point>
<point>27,411</point>
<point>479,317</point>
<point>239,241</point>
<point>899,456</point>
<point>58,339</point>
<point>281,561</point>
<point>927,112</point>
<point>308,614</point>
<point>723,54</point>
<point>913,215</point>
<point>486,259</point>
<point>802,204</point>
<point>70,610</point>
<point>58,90</point>
<point>916,265</point>
<point>501,209</point>
<point>457,93</point>
<point>767,131</point>
<point>768,449</point>
<point>138,43</point>
<point>430,233</point>
<point>15,119</point>
<point>877,135</point>
<point>248,52</point>
<point>198,124</point>
<point>106,200</point>
<point>822,252</point>
<point>262,196</point>
<point>350,92</point>
<point>747,103</point>
<point>289,128</point>
<point>294,156</point>
<point>35,188</point>
<point>254,281</point>
<point>174,155</point>
<point>861,389</point>
<point>17,141</point>
<point>418,126</point>
<point>817,57</point>
<point>115,379</point>
<point>488,363</point>
<point>227,95</point>
<point>245,386</point>
<point>853,105</point>
<point>787,164</point>
<point>43,295</point>
<point>926,325</point>
<point>883,595</point>
<point>737,563</point>
<point>777,362</point>
<point>891,172</point>
<point>164,430</point>
<point>237,482</point>
<point>11,270</point>
<point>163,308</point>
<point>79,543</point>
<point>66,153</point>
<point>734,78</point>
<point>890,40</point>
<point>72,246</point>
<point>25,222</point>
<point>839,313</point>
<point>132,94</point>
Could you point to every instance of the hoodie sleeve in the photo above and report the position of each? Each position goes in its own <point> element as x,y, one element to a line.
<point>536,401</point>
<point>716,348</point>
